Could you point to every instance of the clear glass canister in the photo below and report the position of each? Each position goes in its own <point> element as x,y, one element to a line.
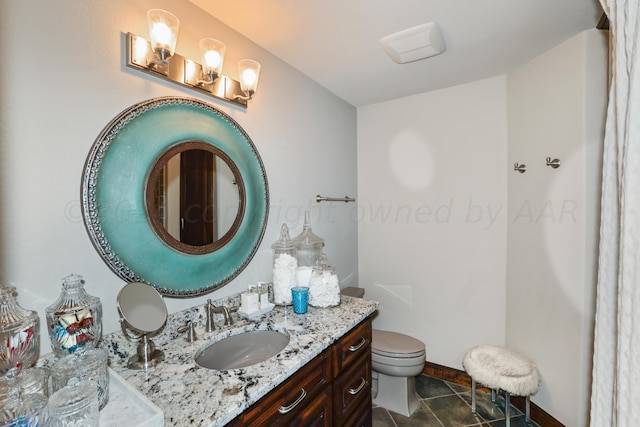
<point>308,251</point>
<point>284,267</point>
<point>88,366</point>
<point>24,410</point>
<point>75,319</point>
<point>30,381</point>
<point>74,405</point>
<point>19,333</point>
<point>324,287</point>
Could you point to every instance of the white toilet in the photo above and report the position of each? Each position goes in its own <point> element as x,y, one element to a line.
<point>396,361</point>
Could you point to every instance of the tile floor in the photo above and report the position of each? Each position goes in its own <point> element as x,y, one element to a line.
<point>445,404</point>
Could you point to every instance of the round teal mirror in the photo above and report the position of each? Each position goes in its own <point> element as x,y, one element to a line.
<point>136,214</point>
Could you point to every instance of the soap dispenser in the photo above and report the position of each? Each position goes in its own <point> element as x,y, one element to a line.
<point>308,251</point>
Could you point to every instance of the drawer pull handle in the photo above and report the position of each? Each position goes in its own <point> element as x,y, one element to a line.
<point>357,346</point>
<point>286,409</point>
<point>360,387</point>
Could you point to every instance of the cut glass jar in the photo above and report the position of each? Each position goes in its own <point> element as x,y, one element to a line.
<point>88,366</point>
<point>74,405</point>
<point>75,319</point>
<point>19,333</point>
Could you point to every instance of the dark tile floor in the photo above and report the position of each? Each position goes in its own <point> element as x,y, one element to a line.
<point>445,404</point>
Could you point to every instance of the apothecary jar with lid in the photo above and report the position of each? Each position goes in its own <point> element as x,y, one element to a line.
<point>19,332</point>
<point>75,320</point>
<point>284,267</point>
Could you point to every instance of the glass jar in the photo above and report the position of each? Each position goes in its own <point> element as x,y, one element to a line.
<point>308,251</point>
<point>324,287</point>
<point>24,410</point>
<point>88,366</point>
<point>30,381</point>
<point>284,267</point>
<point>75,319</point>
<point>19,333</point>
<point>74,405</point>
<point>21,408</point>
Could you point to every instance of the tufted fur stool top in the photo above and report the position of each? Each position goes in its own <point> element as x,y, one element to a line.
<point>500,368</point>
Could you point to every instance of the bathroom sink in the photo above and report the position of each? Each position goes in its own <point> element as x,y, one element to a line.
<point>242,350</point>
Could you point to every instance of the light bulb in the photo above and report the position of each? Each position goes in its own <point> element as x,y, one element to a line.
<point>249,77</point>
<point>212,59</point>
<point>161,33</point>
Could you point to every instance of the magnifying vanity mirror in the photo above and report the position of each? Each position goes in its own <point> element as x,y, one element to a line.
<point>175,195</point>
<point>142,313</point>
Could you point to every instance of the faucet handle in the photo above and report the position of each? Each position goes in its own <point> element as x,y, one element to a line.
<point>190,329</point>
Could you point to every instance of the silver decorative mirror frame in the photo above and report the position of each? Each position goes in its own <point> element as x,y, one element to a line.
<point>114,188</point>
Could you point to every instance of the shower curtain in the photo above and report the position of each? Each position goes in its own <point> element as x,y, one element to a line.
<point>615,394</point>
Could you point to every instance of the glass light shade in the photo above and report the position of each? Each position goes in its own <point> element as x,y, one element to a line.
<point>249,74</point>
<point>212,56</point>
<point>163,32</point>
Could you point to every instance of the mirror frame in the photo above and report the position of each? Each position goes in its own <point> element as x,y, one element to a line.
<point>114,188</point>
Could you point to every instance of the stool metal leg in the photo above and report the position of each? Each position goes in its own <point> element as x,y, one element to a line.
<point>527,410</point>
<point>473,395</point>
<point>493,395</point>
<point>507,410</point>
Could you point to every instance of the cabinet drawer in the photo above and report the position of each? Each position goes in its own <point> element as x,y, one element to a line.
<point>351,388</point>
<point>361,417</point>
<point>351,346</point>
<point>317,413</point>
<point>286,401</point>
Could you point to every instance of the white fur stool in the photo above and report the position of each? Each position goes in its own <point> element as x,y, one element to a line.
<point>500,368</point>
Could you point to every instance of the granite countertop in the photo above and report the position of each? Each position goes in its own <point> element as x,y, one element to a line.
<point>191,395</point>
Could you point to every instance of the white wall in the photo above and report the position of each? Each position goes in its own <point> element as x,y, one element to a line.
<point>432,216</point>
<point>467,267</point>
<point>556,106</point>
<point>66,79</point>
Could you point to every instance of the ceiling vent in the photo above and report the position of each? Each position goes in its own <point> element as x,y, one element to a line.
<point>414,43</point>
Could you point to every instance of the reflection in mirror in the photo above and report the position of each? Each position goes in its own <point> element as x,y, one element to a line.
<point>142,313</point>
<point>194,198</point>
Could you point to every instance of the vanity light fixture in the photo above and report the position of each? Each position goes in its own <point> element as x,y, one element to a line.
<point>158,58</point>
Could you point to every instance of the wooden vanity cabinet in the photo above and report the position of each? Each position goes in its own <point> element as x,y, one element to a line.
<point>334,389</point>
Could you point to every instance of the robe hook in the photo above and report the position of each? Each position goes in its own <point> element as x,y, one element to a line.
<point>520,168</point>
<point>554,163</point>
